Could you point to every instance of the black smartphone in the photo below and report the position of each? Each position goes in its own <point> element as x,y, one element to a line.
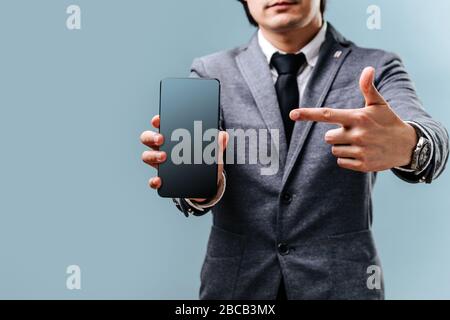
<point>189,121</point>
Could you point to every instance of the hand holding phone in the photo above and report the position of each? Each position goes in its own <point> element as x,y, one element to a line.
<point>154,157</point>
<point>184,104</point>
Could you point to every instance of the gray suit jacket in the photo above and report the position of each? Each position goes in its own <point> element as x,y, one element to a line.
<point>319,211</point>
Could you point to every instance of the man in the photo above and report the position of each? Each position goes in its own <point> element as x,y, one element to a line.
<point>305,232</point>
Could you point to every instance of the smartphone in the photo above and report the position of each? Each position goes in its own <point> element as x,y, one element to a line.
<point>189,121</point>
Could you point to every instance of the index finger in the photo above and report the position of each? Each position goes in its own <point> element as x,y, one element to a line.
<point>328,115</point>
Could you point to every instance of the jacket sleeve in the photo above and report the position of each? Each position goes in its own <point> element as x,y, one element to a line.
<point>397,88</point>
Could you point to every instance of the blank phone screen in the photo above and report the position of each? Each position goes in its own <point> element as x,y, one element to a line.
<point>189,121</point>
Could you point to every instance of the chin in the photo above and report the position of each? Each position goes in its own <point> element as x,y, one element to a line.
<point>284,22</point>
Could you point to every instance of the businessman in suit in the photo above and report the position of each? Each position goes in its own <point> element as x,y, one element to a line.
<point>344,114</point>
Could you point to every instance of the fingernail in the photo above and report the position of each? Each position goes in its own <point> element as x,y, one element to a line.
<point>160,156</point>
<point>295,114</point>
<point>156,138</point>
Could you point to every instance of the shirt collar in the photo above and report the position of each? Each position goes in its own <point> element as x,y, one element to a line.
<point>311,50</point>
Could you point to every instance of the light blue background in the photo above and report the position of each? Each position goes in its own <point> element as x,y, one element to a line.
<point>73,189</point>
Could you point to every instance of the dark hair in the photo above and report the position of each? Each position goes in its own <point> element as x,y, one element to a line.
<point>323,5</point>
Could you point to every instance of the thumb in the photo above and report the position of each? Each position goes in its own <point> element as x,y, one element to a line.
<point>366,83</point>
<point>223,142</point>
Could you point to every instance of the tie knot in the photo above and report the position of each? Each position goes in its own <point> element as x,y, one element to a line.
<point>288,63</point>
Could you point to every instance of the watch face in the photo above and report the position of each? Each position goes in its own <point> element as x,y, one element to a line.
<point>424,155</point>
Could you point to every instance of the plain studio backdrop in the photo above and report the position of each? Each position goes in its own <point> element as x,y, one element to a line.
<point>73,189</point>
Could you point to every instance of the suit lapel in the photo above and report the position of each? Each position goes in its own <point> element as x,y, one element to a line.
<point>332,55</point>
<point>254,68</point>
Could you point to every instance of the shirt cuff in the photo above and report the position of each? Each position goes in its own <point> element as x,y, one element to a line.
<point>212,202</point>
<point>426,135</point>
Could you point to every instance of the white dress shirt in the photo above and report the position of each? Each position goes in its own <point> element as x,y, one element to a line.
<point>311,52</point>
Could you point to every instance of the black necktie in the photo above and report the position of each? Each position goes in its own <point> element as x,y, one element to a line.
<point>287,66</point>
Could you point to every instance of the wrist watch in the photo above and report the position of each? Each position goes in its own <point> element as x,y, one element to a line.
<point>421,153</point>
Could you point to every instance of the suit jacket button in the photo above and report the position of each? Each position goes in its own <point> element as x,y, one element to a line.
<point>283,249</point>
<point>287,198</point>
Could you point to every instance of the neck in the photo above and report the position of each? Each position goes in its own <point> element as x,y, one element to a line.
<point>293,40</point>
